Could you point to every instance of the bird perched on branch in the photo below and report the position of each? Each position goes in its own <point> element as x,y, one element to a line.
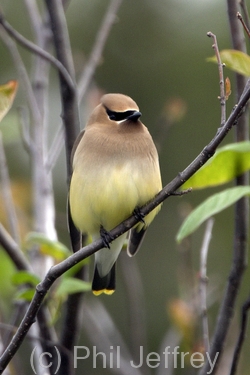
<point>115,171</point>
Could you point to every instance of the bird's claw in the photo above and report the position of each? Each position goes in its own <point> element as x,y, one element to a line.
<point>139,215</point>
<point>106,237</point>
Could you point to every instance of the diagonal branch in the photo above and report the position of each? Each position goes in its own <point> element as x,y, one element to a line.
<point>37,50</point>
<point>57,270</point>
<point>13,250</point>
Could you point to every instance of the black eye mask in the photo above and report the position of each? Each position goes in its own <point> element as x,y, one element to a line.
<point>120,116</point>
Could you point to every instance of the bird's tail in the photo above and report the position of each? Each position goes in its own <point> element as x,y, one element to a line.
<point>104,284</point>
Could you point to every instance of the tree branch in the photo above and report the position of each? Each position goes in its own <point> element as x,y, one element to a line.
<point>243,6</point>
<point>57,270</point>
<point>37,50</point>
<point>13,250</point>
<point>70,116</point>
<point>69,99</point>
<point>203,282</point>
<point>222,96</point>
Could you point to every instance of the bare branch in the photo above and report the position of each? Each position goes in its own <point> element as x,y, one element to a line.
<point>243,6</point>
<point>203,282</point>
<point>222,96</point>
<point>57,270</point>
<point>239,16</point>
<point>68,95</point>
<point>13,250</point>
<point>37,50</point>
<point>182,192</point>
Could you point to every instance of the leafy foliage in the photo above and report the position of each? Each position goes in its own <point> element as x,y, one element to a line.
<point>48,247</point>
<point>211,206</point>
<point>228,162</point>
<point>237,61</point>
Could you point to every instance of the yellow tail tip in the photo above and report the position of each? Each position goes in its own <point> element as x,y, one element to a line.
<point>105,291</point>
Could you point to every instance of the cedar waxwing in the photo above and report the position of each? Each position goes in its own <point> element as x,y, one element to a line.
<point>115,171</point>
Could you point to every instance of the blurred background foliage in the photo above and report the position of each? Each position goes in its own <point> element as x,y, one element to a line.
<point>156,53</point>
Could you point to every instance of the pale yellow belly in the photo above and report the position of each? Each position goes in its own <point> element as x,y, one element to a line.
<point>109,196</point>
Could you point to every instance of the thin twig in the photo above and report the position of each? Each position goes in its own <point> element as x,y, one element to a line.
<point>57,270</point>
<point>243,6</point>
<point>97,50</point>
<point>7,195</point>
<point>241,338</point>
<point>203,282</point>
<point>239,16</point>
<point>222,96</point>
<point>13,250</point>
<point>182,192</point>
<point>37,50</point>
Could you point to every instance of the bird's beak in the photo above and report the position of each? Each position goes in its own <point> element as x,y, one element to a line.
<point>134,117</point>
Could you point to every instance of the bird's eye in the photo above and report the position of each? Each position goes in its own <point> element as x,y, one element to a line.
<point>120,116</point>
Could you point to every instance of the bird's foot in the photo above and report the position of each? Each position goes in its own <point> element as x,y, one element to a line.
<point>106,237</point>
<point>139,215</point>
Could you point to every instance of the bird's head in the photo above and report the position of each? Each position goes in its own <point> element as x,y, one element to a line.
<point>117,108</point>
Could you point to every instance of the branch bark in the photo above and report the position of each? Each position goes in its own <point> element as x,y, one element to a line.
<point>70,114</point>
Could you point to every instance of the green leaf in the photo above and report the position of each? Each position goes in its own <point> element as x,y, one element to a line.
<point>48,247</point>
<point>228,162</point>
<point>7,95</point>
<point>70,285</point>
<point>237,61</point>
<point>25,294</point>
<point>211,206</point>
<point>24,277</point>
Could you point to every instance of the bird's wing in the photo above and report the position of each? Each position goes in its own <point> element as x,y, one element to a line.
<point>77,141</point>
<point>135,240</point>
<point>75,235</point>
